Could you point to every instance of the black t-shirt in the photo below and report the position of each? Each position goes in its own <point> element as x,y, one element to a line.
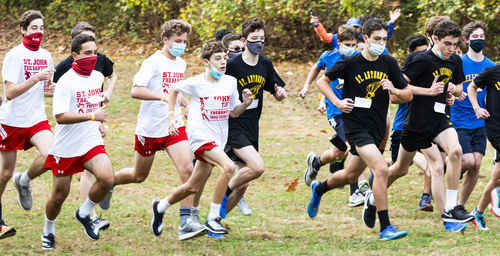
<point>362,83</point>
<point>257,79</point>
<point>103,65</point>
<point>490,78</point>
<point>425,112</point>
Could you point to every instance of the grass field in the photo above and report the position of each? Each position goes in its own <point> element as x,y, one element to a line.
<point>279,224</point>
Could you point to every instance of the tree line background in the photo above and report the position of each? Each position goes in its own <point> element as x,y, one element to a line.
<point>289,33</point>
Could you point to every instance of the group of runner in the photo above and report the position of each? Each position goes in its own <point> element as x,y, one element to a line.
<point>225,106</point>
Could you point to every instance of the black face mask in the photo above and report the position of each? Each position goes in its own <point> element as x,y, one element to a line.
<point>255,47</point>
<point>477,45</point>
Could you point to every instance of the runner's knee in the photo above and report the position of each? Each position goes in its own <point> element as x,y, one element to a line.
<point>455,153</point>
<point>228,169</point>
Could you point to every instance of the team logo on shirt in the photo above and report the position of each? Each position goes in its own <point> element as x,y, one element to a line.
<point>253,79</point>
<point>444,74</point>
<point>83,103</point>
<point>170,78</point>
<point>215,108</point>
<point>497,85</point>
<point>372,88</point>
<point>32,67</point>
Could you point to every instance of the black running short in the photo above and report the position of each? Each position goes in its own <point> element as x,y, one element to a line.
<point>413,141</point>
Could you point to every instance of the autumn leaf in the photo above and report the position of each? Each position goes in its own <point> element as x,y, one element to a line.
<point>292,186</point>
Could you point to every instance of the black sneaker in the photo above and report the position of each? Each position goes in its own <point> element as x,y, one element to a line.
<point>369,211</point>
<point>215,226</point>
<point>90,230</point>
<point>48,242</point>
<point>337,166</point>
<point>457,214</point>
<point>157,221</point>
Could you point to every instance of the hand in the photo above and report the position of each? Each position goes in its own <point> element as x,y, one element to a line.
<point>436,87</point>
<point>450,99</point>
<point>100,114</point>
<point>452,88</point>
<point>388,86</point>
<point>394,16</point>
<point>172,129</point>
<point>303,92</point>
<point>102,129</point>
<point>280,92</point>
<point>346,105</point>
<point>45,74</point>
<point>481,113</point>
<point>247,96</point>
<point>322,107</point>
<point>462,96</point>
<point>49,87</point>
<point>314,20</point>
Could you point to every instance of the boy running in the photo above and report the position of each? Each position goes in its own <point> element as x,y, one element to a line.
<point>214,98</point>
<point>369,79</point>
<point>26,70</point>
<point>78,143</point>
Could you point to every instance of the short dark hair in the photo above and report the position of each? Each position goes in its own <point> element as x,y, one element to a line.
<point>81,27</point>
<point>79,40</point>
<point>210,48</point>
<point>416,41</point>
<point>177,27</point>
<point>346,33</point>
<point>221,33</point>
<point>431,23</point>
<point>252,25</point>
<point>28,16</point>
<point>229,38</point>
<point>473,25</point>
<point>447,28</point>
<point>373,24</point>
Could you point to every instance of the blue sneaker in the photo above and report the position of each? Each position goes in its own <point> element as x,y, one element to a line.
<point>455,226</point>
<point>391,232</point>
<point>312,207</point>
<point>223,204</point>
<point>495,201</point>
<point>215,235</point>
<point>478,220</point>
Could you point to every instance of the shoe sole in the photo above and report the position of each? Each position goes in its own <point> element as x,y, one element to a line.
<point>104,227</point>
<point>152,220</point>
<point>394,238</point>
<point>492,207</point>
<point>220,232</point>
<point>308,169</point>
<point>19,193</point>
<point>457,221</point>
<point>9,233</point>
<point>356,204</point>
<point>365,208</point>
<point>427,208</point>
<point>460,230</point>
<point>195,234</point>
<point>84,231</point>
<point>479,227</point>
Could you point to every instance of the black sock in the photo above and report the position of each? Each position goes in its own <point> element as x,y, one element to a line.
<point>425,194</point>
<point>354,186</point>
<point>322,188</point>
<point>370,179</point>
<point>228,191</point>
<point>383,217</point>
<point>1,220</point>
<point>317,163</point>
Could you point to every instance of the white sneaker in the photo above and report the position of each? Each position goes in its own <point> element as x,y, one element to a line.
<point>100,224</point>
<point>191,230</point>
<point>356,199</point>
<point>244,208</point>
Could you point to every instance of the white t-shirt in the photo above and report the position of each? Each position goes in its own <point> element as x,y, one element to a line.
<point>77,94</point>
<point>28,108</point>
<point>158,73</point>
<point>209,108</point>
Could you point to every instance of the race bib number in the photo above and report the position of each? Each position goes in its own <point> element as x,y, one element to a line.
<point>362,102</point>
<point>439,107</point>
<point>255,104</point>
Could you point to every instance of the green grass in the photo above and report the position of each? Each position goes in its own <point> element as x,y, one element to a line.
<point>279,224</point>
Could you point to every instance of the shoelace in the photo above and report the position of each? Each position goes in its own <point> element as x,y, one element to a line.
<point>481,220</point>
<point>393,228</point>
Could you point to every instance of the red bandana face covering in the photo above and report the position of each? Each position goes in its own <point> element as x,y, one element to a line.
<point>85,65</point>
<point>33,41</point>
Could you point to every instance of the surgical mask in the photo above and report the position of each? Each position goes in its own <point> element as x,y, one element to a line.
<point>477,45</point>
<point>376,49</point>
<point>255,47</point>
<point>440,54</point>
<point>177,49</point>
<point>347,51</point>
<point>215,73</point>
<point>232,54</point>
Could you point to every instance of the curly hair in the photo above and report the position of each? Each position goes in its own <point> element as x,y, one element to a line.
<point>210,48</point>
<point>447,28</point>
<point>252,25</point>
<point>177,26</point>
<point>373,24</point>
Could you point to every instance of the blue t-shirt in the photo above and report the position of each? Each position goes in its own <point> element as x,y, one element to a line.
<point>335,45</point>
<point>400,117</point>
<point>325,62</point>
<point>462,113</point>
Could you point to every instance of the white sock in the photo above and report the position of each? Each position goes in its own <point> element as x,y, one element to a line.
<point>50,226</point>
<point>214,211</point>
<point>24,180</point>
<point>86,208</point>
<point>451,199</point>
<point>163,205</point>
<point>371,200</point>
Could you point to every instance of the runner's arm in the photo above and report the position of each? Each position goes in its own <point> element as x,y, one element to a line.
<point>481,113</point>
<point>13,90</point>
<point>313,74</point>
<point>73,118</point>
<point>143,93</point>
<point>240,108</point>
<point>111,86</point>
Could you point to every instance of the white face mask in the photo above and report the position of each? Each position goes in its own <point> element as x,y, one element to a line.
<point>346,50</point>
<point>376,49</point>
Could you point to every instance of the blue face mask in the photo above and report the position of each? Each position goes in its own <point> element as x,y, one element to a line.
<point>215,73</point>
<point>440,54</point>
<point>255,47</point>
<point>177,49</point>
<point>376,49</point>
<point>347,51</point>
<point>232,54</point>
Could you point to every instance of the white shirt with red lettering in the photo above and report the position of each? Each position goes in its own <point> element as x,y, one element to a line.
<point>19,65</point>
<point>158,73</point>
<point>75,93</point>
<point>209,108</point>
